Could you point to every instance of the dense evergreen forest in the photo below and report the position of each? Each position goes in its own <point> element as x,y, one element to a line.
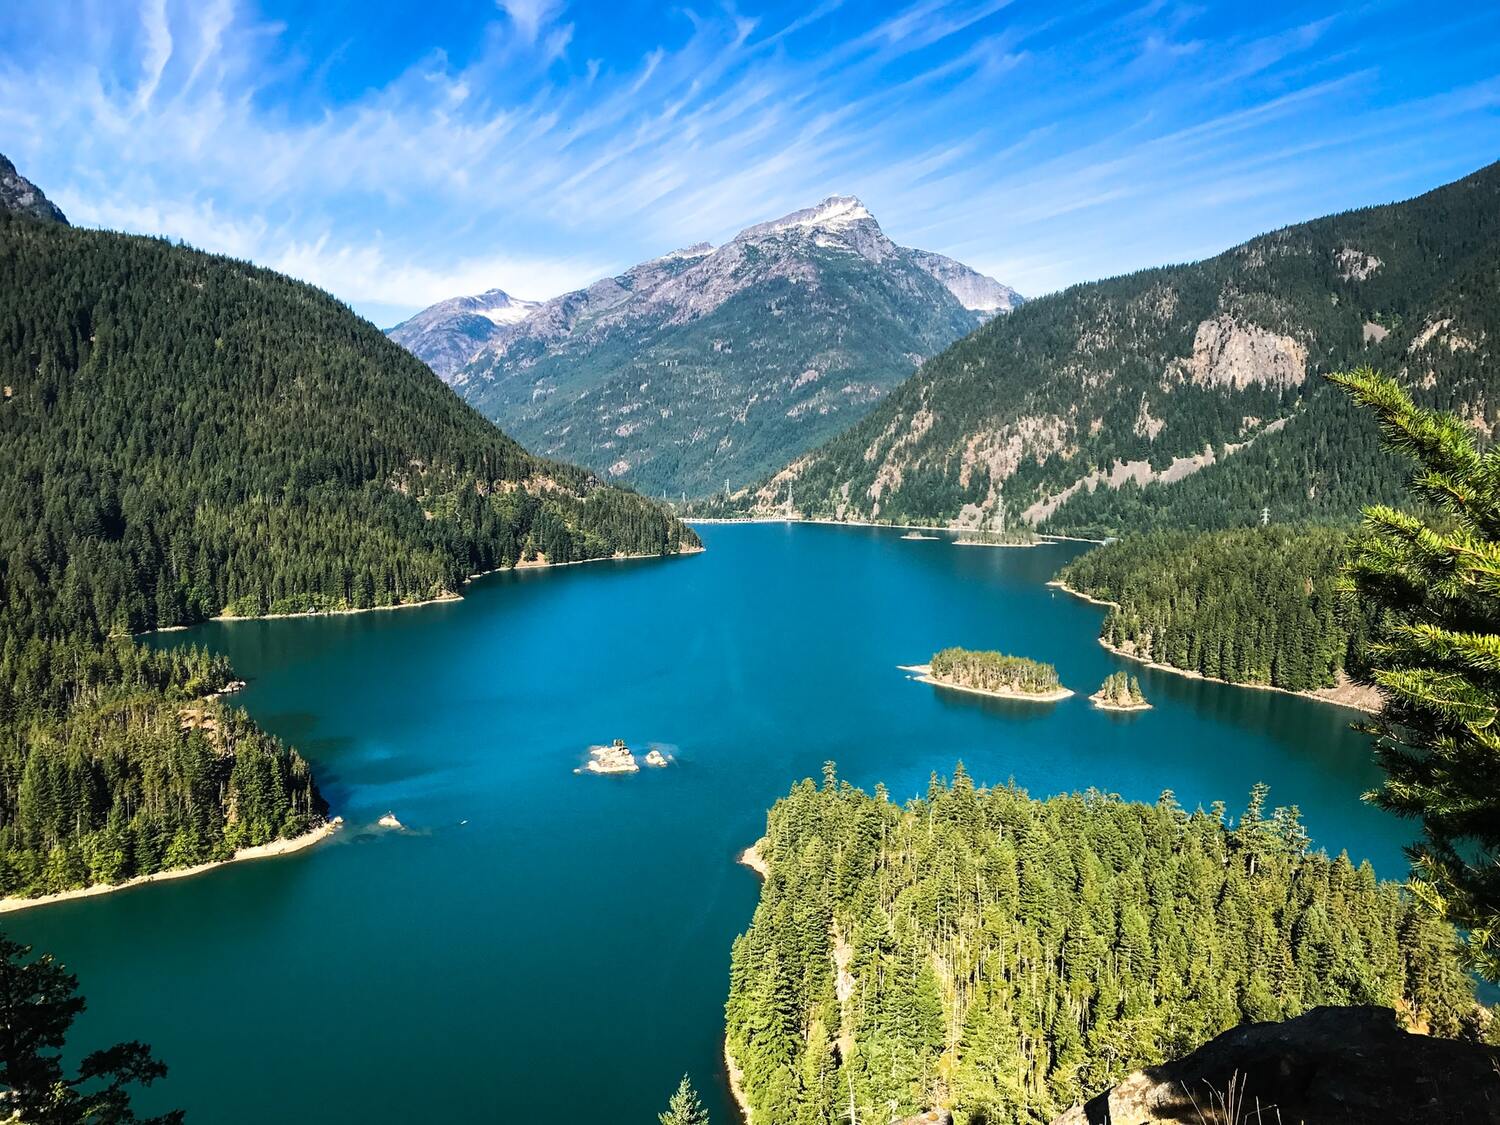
<point>1212,363</point>
<point>188,435</point>
<point>1250,605</point>
<point>1005,956</point>
<point>993,671</point>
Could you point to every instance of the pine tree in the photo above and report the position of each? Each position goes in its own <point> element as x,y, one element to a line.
<point>684,1108</point>
<point>38,1003</point>
<point>1435,653</point>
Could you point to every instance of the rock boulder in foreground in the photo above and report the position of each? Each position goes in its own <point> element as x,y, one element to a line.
<point>1332,1066</point>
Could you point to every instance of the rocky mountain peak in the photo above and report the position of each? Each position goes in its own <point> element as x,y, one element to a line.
<point>836,213</point>
<point>448,334</point>
<point>839,217</point>
<point>20,195</point>
<point>686,253</point>
<point>713,362</point>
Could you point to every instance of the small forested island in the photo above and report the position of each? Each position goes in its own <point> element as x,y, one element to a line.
<point>992,673</point>
<point>1023,537</point>
<point>1003,957</point>
<point>1255,606</point>
<point>1120,692</point>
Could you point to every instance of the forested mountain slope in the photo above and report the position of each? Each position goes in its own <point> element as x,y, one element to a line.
<point>187,435</point>
<point>1004,957</point>
<point>1187,395</point>
<point>710,363</point>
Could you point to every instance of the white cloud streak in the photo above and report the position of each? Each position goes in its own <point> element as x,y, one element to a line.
<point>1043,146</point>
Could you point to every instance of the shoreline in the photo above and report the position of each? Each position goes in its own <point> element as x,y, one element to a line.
<point>736,1084</point>
<point>448,596</point>
<point>752,859</point>
<point>1123,708</point>
<point>924,676</point>
<point>1360,701</point>
<point>285,846</point>
<point>981,543</point>
<point>1044,537</point>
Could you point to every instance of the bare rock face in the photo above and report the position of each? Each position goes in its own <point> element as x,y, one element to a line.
<point>974,290</point>
<point>1331,1066</point>
<point>19,194</point>
<point>1229,353</point>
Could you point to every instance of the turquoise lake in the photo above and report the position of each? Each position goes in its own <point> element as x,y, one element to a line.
<point>545,943</point>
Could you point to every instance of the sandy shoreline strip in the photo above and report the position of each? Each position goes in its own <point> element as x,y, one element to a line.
<point>736,1084</point>
<point>530,564</point>
<point>259,851</point>
<point>751,857</point>
<point>981,543</point>
<point>1355,697</point>
<point>924,676</point>
<point>1124,708</point>
<point>823,520</point>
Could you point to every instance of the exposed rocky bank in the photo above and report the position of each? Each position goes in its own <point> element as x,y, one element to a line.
<point>1331,1066</point>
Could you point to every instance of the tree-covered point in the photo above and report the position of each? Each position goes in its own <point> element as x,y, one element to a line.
<point>186,434</point>
<point>1004,957</point>
<point>993,671</point>
<point>1249,605</point>
<point>140,785</point>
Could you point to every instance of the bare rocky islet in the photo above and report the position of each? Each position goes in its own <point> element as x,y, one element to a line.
<point>617,758</point>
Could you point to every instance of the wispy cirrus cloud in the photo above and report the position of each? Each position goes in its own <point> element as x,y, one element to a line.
<point>537,146</point>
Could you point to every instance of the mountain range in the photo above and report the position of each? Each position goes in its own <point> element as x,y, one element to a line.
<point>1186,396</point>
<point>709,363</point>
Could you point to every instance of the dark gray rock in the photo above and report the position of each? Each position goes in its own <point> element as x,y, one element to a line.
<point>1331,1066</point>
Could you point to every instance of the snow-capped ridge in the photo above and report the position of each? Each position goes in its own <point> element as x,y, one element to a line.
<point>836,213</point>
<point>512,310</point>
<point>696,250</point>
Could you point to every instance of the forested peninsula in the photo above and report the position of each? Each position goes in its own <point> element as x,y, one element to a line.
<point>1253,606</point>
<point>188,436</point>
<point>1004,957</point>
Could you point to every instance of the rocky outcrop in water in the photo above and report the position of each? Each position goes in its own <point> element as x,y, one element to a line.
<point>1332,1066</point>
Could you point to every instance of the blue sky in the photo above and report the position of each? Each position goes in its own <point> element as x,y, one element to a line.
<point>398,153</point>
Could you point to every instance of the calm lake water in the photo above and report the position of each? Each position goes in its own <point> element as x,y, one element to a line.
<point>544,943</point>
